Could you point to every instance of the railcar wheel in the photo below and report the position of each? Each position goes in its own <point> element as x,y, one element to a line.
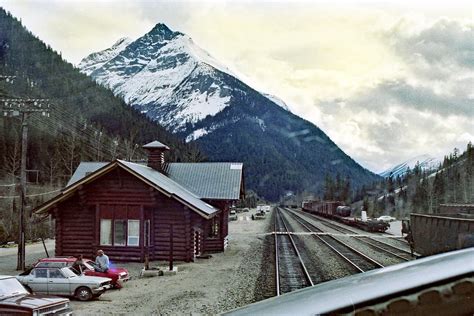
<point>83,293</point>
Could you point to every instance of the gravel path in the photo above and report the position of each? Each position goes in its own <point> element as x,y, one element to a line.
<point>322,263</point>
<point>378,255</point>
<point>34,251</point>
<point>208,286</point>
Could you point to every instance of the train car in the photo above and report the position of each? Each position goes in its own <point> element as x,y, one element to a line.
<point>336,210</point>
<point>437,285</point>
<point>437,233</point>
<point>343,211</point>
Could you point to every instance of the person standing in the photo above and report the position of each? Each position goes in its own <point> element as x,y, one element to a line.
<point>78,264</point>
<point>102,261</point>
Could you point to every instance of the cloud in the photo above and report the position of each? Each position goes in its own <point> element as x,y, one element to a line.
<point>420,97</point>
<point>427,110</point>
<point>446,43</point>
<point>385,81</point>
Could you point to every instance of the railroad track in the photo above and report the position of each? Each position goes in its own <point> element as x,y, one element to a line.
<point>355,258</point>
<point>372,242</point>
<point>290,271</point>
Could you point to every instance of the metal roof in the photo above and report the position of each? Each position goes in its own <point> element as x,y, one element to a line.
<point>209,180</point>
<point>170,186</point>
<point>87,172</point>
<point>364,287</point>
<point>84,169</point>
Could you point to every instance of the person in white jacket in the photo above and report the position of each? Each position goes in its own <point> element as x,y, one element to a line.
<point>102,261</point>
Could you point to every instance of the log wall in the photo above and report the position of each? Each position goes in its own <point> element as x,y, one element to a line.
<point>118,192</point>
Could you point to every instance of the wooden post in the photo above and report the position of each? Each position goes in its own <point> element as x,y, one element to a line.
<point>45,249</point>
<point>147,263</point>
<point>171,247</point>
<point>25,107</point>
<point>21,220</point>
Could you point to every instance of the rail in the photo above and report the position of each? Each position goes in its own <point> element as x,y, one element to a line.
<point>380,245</point>
<point>290,271</point>
<point>357,259</point>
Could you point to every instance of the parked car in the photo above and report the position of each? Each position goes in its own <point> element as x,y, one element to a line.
<point>232,215</point>
<point>63,281</point>
<point>16,300</point>
<point>258,215</point>
<point>88,267</point>
<point>386,218</point>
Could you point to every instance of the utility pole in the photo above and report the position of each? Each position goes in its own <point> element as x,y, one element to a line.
<point>25,108</point>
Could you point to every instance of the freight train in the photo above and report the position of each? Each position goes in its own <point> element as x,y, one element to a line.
<point>336,210</point>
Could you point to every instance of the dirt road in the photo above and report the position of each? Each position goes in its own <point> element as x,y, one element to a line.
<point>207,286</point>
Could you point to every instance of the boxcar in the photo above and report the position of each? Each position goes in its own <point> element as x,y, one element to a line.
<point>439,233</point>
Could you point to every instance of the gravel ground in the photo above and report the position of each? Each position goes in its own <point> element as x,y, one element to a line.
<point>377,255</point>
<point>322,263</point>
<point>34,251</point>
<point>208,286</point>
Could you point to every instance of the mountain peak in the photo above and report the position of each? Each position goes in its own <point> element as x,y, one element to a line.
<point>425,162</point>
<point>162,31</point>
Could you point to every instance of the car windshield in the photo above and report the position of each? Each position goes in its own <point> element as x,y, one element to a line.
<point>68,273</point>
<point>10,287</point>
<point>92,264</point>
<point>88,265</point>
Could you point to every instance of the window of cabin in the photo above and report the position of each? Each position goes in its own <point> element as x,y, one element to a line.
<point>133,232</point>
<point>120,225</point>
<point>106,232</point>
<point>120,228</point>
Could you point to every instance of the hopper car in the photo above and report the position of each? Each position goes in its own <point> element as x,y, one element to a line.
<point>430,234</point>
<point>336,210</point>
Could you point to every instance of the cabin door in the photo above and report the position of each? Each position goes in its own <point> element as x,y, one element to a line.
<point>197,243</point>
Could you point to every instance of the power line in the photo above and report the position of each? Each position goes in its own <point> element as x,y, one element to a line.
<point>28,195</point>
<point>8,185</point>
<point>24,108</point>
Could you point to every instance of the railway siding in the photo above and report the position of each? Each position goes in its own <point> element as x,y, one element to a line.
<point>351,237</point>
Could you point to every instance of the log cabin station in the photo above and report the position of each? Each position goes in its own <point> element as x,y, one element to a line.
<point>157,209</point>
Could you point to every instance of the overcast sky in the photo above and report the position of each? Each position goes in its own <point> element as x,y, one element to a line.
<point>387,81</point>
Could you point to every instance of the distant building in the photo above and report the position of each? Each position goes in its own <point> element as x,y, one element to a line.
<point>130,210</point>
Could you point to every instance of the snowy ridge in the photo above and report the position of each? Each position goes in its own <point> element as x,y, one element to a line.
<point>277,101</point>
<point>96,60</point>
<point>166,76</point>
<point>425,162</point>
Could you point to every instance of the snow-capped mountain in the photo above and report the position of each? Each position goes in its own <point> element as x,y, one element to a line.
<point>166,76</point>
<point>426,163</point>
<point>96,60</point>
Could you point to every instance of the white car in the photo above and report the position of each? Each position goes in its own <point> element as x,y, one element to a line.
<point>64,282</point>
<point>386,218</point>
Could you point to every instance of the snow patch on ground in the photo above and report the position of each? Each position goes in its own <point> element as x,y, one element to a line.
<point>196,135</point>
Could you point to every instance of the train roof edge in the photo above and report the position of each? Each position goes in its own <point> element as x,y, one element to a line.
<point>368,286</point>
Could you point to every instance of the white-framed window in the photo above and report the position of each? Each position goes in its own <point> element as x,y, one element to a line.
<point>120,230</point>
<point>133,233</point>
<point>106,232</point>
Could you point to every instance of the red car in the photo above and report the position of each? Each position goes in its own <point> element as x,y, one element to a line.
<point>118,275</point>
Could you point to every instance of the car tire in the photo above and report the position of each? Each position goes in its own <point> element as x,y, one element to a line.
<point>83,293</point>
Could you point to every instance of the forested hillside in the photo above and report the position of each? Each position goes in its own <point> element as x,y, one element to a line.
<point>87,121</point>
<point>423,191</point>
